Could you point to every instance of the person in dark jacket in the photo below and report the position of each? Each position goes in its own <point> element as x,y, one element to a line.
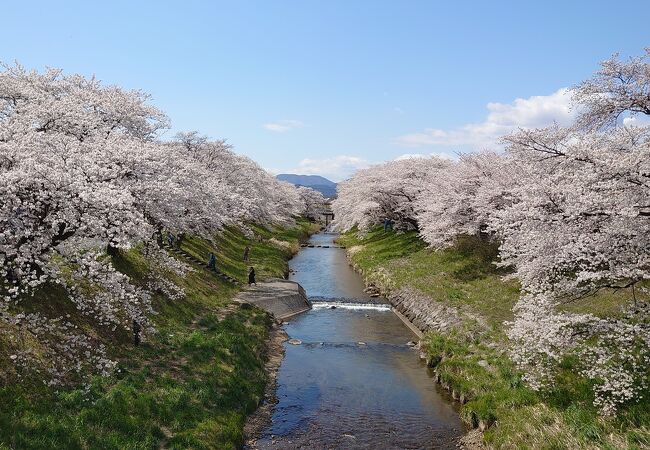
<point>212,262</point>
<point>251,276</point>
<point>136,332</point>
<point>247,252</point>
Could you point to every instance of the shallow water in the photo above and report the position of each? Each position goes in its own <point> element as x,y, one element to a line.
<point>353,382</point>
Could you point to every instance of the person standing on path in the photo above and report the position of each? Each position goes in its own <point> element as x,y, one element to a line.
<point>247,251</point>
<point>212,262</point>
<point>136,332</point>
<point>251,277</point>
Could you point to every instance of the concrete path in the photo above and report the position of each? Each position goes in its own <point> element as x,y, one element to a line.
<point>282,298</point>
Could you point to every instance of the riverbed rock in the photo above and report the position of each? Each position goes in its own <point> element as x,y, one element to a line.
<point>433,361</point>
<point>472,440</point>
<point>411,344</point>
<point>372,290</point>
<point>361,343</point>
<point>294,341</point>
<point>484,425</point>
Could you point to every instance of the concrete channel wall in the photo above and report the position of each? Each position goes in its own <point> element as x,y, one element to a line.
<point>282,298</point>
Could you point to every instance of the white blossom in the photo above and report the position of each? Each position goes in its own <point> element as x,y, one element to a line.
<point>83,175</point>
<point>570,208</point>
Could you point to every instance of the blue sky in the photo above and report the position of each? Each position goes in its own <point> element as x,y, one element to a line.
<point>329,86</point>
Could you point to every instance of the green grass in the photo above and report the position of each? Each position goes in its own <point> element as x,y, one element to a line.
<point>191,385</point>
<point>463,276</point>
<point>189,388</point>
<point>268,259</point>
<point>471,360</point>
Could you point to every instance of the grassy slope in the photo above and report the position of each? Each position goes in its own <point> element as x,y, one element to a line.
<point>190,385</point>
<point>465,278</point>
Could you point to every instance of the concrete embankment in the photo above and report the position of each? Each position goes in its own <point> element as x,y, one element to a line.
<point>419,312</point>
<point>422,312</point>
<point>282,298</point>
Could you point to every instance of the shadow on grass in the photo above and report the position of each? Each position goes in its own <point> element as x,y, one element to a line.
<point>476,257</point>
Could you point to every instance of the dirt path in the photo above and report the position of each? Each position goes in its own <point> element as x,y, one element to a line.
<point>257,421</point>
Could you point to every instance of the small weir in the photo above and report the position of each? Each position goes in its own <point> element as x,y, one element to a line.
<point>317,304</point>
<point>352,381</point>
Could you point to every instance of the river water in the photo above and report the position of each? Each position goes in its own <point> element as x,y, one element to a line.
<point>353,382</point>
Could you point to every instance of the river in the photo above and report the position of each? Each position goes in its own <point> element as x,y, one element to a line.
<point>353,382</point>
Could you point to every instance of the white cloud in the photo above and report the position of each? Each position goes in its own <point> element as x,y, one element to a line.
<point>335,168</point>
<point>502,118</point>
<point>283,125</point>
<point>422,155</point>
<point>636,121</point>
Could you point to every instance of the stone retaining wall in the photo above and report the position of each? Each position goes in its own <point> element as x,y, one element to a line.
<point>423,312</point>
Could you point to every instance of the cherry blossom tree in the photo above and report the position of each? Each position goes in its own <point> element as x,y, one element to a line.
<point>313,201</point>
<point>67,150</point>
<point>254,194</point>
<point>385,191</point>
<point>65,144</point>
<point>569,207</point>
<point>580,222</point>
<point>618,91</point>
<point>463,198</point>
<point>439,197</point>
<point>82,173</point>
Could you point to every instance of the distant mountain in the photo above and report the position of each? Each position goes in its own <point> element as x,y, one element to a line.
<point>316,182</point>
<point>305,180</point>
